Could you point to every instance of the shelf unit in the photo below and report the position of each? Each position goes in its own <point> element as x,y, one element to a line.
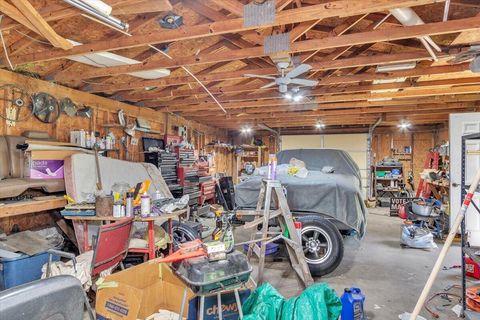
<point>466,249</point>
<point>387,190</point>
<point>256,155</point>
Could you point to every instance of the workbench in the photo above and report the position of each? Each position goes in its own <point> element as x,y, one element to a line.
<point>80,224</point>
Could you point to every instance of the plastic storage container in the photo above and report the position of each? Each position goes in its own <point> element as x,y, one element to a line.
<point>352,304</point>
<point>17,271</point>
<point>204,276</point>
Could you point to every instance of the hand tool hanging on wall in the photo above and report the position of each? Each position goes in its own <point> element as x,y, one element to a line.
<point>15,106</point>
<point>45,107</point>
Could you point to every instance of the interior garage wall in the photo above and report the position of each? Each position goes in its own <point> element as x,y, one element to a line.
<point>104,112</point>
<point>354,144</point>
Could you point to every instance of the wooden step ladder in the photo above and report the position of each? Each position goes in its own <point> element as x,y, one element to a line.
<point>272,189</point>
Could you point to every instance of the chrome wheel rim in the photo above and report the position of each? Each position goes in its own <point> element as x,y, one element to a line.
<point>317,244</point>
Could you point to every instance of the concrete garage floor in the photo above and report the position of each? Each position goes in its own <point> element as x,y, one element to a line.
<point>390,277</point>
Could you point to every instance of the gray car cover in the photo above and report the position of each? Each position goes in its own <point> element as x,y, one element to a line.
<point>337,195</point>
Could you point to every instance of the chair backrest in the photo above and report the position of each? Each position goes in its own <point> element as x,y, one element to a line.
<point>57,298</point>
<point>111,245</point>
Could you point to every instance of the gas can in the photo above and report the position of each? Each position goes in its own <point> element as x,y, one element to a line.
<point>352,304</point>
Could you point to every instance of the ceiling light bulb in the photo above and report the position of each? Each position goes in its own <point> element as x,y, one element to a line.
<point>404,125</point>
<point>297,98</point>
<point>287,96</point>
<point>319,125</point>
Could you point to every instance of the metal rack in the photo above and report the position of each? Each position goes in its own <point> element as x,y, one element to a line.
<point>466,249</point>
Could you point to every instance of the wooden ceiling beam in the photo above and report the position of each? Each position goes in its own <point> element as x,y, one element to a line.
<point>319,91</point>
<point>239,74</point>
<point>32,15</point>
<point>339,101</point>
<point>273,93</point>
<point>344,112</point>
<point>360,38</point>
<point>232,6</point>
<point>337,8</point>
<point>17,15</point>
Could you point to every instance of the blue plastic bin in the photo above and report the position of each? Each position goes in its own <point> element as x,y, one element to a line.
<point>17,271</point>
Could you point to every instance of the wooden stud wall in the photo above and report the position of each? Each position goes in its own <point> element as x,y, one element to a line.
<point>423,141</point>
<point>105,111</point>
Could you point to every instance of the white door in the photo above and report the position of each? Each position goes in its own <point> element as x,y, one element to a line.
<point>462,124</point>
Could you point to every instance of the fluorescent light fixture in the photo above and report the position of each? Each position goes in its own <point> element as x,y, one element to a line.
<point>107,59</point>
<point>404,125</point>
<point>383,81</point>
<point>379,99</point>
<point>396,67</point>
<point>99,11</point>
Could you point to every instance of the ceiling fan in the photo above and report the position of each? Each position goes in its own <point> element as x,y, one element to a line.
<point>287,78</point>
<point>472,53</point>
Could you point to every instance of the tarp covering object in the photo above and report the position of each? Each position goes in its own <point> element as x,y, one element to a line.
<point>337,195</point>
<point>317,302</point>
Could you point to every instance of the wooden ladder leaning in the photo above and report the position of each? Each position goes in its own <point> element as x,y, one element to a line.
<point>273,189</point>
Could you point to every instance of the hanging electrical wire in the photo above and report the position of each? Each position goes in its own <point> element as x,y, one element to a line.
<point>12,67</point>
<point>183,67</point>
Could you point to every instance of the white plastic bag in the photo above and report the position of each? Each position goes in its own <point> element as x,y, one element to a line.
<point>416,237</point>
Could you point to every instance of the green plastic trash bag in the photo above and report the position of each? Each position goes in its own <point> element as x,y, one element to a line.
<point>265,303</point>
<point>317,302</point>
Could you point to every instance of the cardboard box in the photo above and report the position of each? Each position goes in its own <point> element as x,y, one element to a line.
<point>46,169</point>
<point>140,291</point>
<point>46,164</point>
<point>229,306</point>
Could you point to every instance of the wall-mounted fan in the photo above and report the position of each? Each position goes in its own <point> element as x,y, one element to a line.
<point>45,107</point>
<point>287,78</point>
<point>68,107</point>
<point>472,53</point>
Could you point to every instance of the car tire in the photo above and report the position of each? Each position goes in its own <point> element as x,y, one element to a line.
<point>322,244</point>
<point>181,233</point>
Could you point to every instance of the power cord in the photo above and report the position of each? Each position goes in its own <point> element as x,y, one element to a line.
<point>5,47</point>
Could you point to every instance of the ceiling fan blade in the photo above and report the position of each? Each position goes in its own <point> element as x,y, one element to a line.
<point>298,70</point>
<point>248,75</point>
<point>271,84</point>
<point>304,82</point>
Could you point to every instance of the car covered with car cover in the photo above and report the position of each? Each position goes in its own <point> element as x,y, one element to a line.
<point>328,200</point>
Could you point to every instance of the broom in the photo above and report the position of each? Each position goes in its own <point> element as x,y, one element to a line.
<point>446,246</point>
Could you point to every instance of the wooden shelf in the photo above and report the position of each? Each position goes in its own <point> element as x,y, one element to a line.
<point>393,166</point>
<point>31,206</point>
<point>112,125</point>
